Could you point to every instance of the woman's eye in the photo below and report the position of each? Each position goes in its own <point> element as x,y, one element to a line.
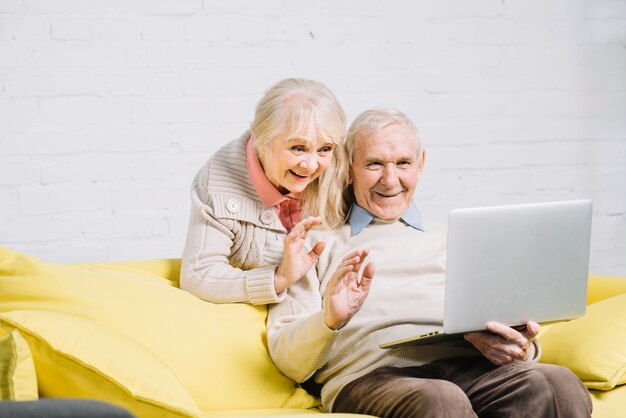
<point>298,148</point>
<point>326,149</point>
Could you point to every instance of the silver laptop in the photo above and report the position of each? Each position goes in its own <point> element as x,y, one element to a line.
<point>513,264</point>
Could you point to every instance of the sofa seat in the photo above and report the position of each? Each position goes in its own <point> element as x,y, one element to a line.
<point>124,333</point>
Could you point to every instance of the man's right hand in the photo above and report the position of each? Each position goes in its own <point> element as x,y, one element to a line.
<point>345,293</point>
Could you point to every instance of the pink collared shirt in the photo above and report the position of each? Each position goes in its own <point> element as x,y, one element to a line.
<point>288,207</point>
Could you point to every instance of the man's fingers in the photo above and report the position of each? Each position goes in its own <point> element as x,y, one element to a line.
<point>532,329</point>
<point>355,258</point>
<point>349,262</point>
<point>495,348</point>
<point>342,272</point>
<point>474,338</point>
<point>355,253</point>
<point>508,333</point>
<point>362,255</point>
<point>368,275</point>
<point>501,329</point>
<point>369,271</point>
<point>350,256</point>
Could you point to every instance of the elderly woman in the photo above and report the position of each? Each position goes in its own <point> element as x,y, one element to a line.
<point>253,201</point>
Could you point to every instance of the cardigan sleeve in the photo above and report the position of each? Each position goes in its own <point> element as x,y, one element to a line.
<point>206,270</point>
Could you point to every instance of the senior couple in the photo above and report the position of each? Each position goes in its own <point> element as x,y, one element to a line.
<point>322,226</point>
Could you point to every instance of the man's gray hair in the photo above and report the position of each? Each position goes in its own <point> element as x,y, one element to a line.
<point>371,121</point>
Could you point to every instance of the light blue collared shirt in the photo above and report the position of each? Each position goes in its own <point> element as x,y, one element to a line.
<point>360,218</point>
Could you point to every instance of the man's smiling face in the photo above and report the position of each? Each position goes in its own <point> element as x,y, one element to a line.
<point>385,170</point>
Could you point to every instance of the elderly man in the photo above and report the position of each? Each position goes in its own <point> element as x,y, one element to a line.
<point>332,321</point>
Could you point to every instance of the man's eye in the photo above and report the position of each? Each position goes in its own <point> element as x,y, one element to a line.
<point>403,164</point>
<point>374,165</point>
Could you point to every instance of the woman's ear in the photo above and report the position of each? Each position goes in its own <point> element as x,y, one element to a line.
<point>260,152</point>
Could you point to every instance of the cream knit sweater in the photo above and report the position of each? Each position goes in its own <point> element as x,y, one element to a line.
<point>405,299</point>
<point>234,243</point>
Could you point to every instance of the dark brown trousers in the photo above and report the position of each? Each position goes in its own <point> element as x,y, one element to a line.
<point>467,387</point>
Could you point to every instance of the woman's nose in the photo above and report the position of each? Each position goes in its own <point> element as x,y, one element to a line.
<point>310,163</point>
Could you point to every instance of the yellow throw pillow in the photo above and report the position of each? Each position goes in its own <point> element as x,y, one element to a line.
<point>594,346</point>
<point>218,353</point>
<point>18,381</point>
<point>78,357</point>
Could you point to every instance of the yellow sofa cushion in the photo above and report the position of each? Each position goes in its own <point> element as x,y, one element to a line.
<point>218,353</point>
<point>603,287</point>
<point>609,403</point>
<point>79,357</point>
<point>18,381</point>
<point>594,346</point>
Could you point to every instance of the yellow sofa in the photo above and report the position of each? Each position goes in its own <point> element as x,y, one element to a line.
<point>124,333</point>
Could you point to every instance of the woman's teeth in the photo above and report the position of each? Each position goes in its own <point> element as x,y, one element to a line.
<point>296,174</point>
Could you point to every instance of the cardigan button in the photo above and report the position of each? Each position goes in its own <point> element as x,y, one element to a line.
<point>232,205</point>
<point>267,217</point>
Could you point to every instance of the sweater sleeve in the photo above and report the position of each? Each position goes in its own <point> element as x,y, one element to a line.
<point>206,271</point>
<point>535,352</point>
<point>298,338</point>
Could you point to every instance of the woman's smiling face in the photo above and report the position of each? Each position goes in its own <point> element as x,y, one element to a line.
<point>292,162</point>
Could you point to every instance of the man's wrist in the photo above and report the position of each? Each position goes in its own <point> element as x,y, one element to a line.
<point>331,324</point>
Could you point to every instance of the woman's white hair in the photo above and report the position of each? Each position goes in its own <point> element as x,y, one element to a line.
<point>292,106</point>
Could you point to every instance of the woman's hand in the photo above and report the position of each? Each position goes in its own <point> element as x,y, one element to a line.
<point>296,259</point>
<point>345,293</point>
<point>504,344</point>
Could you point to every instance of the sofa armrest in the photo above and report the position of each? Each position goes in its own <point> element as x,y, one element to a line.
<point>168,268</point>
<point>603,287</point>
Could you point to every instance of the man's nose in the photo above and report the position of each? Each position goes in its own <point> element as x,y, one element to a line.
<point>390,175</point>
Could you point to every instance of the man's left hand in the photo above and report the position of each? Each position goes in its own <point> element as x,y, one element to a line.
<point>504,344</point>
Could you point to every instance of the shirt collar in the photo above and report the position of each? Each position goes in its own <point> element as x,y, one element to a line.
<point>270,196</point>
<point>360,218</point>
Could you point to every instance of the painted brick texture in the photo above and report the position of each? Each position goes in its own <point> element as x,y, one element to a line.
<point>108,108</point>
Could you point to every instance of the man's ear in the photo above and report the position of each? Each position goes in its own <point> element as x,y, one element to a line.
<point>350,176</point>
<point>422,161</point>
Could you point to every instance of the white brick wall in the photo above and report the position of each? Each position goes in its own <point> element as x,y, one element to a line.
<point>107,108</point>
